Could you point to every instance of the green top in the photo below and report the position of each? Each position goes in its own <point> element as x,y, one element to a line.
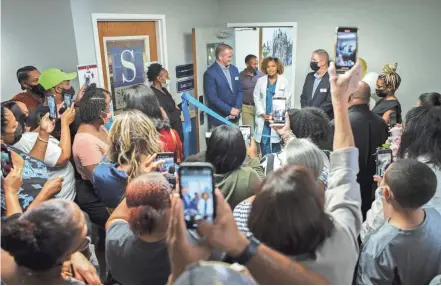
<point>240,184</point>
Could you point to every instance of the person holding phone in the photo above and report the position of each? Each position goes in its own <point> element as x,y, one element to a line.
<point>273,84</point>
<point>56,85</point>
<point>52,152</point>
<point>133,143</point>
<point>420,140</point>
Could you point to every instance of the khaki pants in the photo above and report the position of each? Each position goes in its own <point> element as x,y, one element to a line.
<point>248,113</point>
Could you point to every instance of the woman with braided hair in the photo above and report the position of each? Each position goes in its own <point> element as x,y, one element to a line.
<point>387,84</point>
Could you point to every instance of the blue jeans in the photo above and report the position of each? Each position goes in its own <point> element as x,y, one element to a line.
<point>265,142</point>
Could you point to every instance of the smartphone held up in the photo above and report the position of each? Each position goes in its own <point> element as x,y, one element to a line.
<point>6,161</point>
<point>346,48</point>
<point>279,110</point>
<point>197,192</point>
<point>246,133</point>
<point>383,159</point>
<point>53,114</point>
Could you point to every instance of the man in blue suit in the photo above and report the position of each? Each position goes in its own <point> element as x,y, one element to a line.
<point>222,87</point>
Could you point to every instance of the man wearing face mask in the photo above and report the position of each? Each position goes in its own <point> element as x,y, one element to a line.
<point>57,83</point>
<point>33,94</point>
<point>158,76</point>
<point>248,77</point>
<point>222,87</point>
<point>317,90</point>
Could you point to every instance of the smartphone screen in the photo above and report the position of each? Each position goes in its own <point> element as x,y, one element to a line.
<point>393,119</point>
<point>279,110</point>
<point>346,48</point>
<point>246,133</point>
<point>384,159</point>
<point>6,161</point>
<point>52,107</point>
<point>169,159</point>
<point>197,192</point>
<point>67,100</point>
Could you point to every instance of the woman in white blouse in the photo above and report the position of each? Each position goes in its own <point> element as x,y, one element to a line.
<point>274,84</point>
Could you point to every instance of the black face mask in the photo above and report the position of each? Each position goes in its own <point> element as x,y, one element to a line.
<point>314,66</point>
<point>380,93</point>
<point>17,134</point>
<point>70,91</point>
<point>38,89</point>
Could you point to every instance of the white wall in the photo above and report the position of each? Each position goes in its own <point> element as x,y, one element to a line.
<point>403,31</point>
<point>181,16</point>
<point>38,33</point>
<point>246,42</point>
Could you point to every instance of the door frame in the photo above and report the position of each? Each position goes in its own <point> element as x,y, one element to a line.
<point>161,35</point>
<point>292,25</point>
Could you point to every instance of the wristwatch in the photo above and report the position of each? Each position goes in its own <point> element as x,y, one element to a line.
<point>249,251</point>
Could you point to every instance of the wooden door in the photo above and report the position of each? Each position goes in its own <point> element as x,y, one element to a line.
<point>126,28</point>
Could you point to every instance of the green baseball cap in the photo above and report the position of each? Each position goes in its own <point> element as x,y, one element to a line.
<point>51,77</point>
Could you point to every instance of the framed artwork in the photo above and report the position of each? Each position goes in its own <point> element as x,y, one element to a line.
<point>126,58</point>
<point>277,43</point>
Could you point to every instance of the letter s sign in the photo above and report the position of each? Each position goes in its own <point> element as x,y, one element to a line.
<point>128,65</point>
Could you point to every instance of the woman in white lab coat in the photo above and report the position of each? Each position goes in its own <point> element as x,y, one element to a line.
<point>274,84</point>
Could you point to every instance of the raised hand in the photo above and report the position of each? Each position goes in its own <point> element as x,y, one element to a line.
<point>68,115</point>
<point>342,86</point>
<point>223,234</point>
<point>180,251</point>
<point>46,124</point>
<point>148,165</point>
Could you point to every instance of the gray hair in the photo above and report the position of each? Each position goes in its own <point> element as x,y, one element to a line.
<point>322,52</point>
<point>301,151</point>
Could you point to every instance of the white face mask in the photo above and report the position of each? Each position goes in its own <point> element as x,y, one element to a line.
<point>165,84</point>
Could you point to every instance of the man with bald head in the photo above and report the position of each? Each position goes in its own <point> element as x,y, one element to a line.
<point>370,132</point>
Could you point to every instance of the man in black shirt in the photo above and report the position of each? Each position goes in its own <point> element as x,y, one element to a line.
<point>370,132</point>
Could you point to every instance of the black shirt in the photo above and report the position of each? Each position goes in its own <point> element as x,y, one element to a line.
<point>167,102</point>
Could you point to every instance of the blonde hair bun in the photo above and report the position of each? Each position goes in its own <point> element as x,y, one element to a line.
<point>390,68</point>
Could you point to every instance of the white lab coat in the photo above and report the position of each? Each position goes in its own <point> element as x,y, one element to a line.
<point>283,89</point>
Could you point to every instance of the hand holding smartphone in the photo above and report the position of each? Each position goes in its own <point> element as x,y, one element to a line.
<point>53,114</point>
<point>6,161</point>
<point>279,110</point>
<point>383,160</point>
<point>246,133</point>
<point>346,48</point>
<point>197,192</point>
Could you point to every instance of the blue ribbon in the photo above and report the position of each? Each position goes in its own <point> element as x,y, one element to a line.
<point>188,98</point>
<point>187,120</point>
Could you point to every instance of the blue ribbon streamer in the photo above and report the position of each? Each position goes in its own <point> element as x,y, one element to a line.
<point>186,113</point>
<point>188,98</point>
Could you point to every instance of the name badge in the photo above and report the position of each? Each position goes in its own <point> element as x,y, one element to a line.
<point>323,90</point>
<point>236,78</point>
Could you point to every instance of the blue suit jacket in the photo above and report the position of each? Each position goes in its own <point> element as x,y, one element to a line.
<point>219,95</point>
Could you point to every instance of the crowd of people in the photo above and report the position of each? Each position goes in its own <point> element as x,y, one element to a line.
<point>82,203</point>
